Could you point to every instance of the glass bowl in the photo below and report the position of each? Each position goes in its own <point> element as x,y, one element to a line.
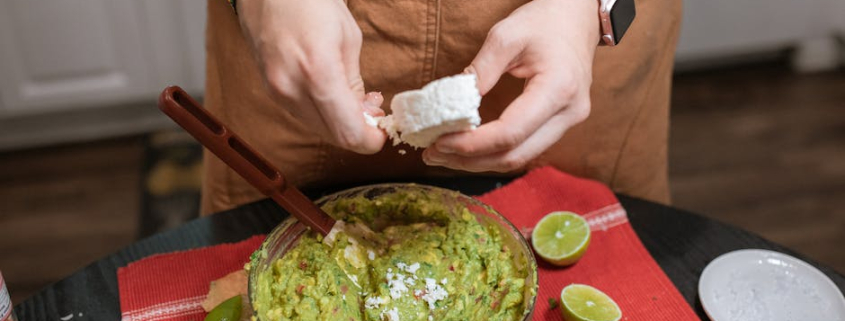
<point>285,236</point>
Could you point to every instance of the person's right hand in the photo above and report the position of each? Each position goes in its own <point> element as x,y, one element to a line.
<point>309,56</point>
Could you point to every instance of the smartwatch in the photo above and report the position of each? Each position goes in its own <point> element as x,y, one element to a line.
<point>615,16</point>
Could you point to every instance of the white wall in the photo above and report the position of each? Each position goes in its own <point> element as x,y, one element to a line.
<point>717,29</point>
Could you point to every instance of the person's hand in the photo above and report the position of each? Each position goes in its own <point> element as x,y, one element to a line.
<point>309,55</point>
<point>551,44</point>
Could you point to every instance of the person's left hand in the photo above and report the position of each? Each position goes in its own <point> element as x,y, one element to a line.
<point>551,44</point>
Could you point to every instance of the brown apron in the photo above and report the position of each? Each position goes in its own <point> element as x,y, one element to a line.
<point>409,43</point>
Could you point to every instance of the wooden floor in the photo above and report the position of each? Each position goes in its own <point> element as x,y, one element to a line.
<point>757,147</point>
<point>764,149</point>
<point>63,208</point>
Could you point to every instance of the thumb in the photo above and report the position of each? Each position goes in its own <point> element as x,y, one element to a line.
<point>372,104</point>
<point>493,59</point>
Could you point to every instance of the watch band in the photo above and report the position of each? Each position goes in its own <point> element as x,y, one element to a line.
<point>615,16</point>
<point>234,5</point>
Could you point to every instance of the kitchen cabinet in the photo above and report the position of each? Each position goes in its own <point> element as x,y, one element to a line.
<point>63,54</point>
<point>73,70</point>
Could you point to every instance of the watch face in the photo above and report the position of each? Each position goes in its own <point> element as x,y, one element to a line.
<point>621,16</point>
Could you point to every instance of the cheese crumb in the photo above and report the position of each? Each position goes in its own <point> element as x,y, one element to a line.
<point>392,314</point>
<point>352,254</point>
<point>374,302</point>
<point>396,285</point>
<point>338,227</point>
<point>434,292</point>
<point>370,120</point>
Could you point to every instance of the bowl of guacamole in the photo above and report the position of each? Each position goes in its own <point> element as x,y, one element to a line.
<point>441,255</point>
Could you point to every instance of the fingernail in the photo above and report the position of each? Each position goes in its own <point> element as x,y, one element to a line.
<point>374,99</point>
<point>444,149</point>
<point>434,159</point>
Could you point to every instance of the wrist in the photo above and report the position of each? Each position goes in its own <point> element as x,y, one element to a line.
<point>584,15</point>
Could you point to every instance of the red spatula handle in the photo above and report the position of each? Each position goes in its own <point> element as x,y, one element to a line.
<point>236,153</point>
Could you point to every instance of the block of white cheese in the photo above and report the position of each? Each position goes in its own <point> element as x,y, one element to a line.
<point>443,106</point>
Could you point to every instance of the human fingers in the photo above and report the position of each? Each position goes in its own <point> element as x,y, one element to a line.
<point>544,96</point>
<point>500,49</point>
<point>341,108</point>
<point>351,54</point>
<point>283,85</point>
<point>372,104</point>
<point>516,158</point>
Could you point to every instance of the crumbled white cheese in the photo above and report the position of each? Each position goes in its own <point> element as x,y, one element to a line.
<point>353,255</point>
<point>392,314</point>
<point>434,293</point>
<point>374,302</point>
<point>396,285</point>
<point>443,106</point>
<point>371,255</point>
<point>413,268</point>
<point>388,124</point>
<point>338,227</point>
<point>370,120</point>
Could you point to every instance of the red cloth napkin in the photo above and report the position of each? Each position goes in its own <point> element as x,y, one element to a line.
<point>616,262</point>
<point>172,286</point>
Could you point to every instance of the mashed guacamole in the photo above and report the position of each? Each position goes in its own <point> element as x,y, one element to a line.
<point>434,266</point>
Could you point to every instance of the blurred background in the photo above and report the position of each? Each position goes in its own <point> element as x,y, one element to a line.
<point>88,164</point>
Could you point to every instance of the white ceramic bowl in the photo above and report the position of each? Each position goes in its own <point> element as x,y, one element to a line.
<point>751,285</point>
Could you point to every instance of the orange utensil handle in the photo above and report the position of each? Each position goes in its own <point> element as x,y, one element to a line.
<point>236,153</point>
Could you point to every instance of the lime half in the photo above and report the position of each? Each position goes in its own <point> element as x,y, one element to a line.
<point>229,310</point>
<point>561,238</point>
<point>585,303</point>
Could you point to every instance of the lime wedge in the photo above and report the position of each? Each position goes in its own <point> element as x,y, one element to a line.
<point>585,303</point>
<point>229,310</point>
<point>561,238</point>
